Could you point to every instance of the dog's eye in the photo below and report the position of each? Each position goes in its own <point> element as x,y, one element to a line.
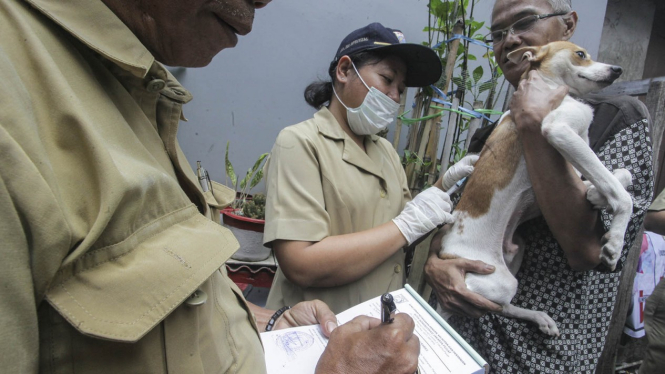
<point>581,54</point>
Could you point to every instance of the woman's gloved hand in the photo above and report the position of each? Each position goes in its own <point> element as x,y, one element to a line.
<point>463,168</point>
<point>429,209</point>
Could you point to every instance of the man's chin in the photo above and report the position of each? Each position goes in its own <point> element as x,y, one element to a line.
<point>188,59</point>
<point>513,73</point>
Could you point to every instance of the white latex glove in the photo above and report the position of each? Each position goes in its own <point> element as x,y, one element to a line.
<point>463,168</point>
<point>424,213</point>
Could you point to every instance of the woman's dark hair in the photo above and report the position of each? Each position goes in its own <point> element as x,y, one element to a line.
<point>318,93</point>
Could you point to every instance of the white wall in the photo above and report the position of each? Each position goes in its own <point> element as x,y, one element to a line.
<point>249,93</point>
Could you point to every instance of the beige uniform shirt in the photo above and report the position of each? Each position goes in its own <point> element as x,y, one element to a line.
<point>104,231</point>
<point>320,183</point>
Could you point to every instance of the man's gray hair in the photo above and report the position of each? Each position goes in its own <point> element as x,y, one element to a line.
<point>559,6</point>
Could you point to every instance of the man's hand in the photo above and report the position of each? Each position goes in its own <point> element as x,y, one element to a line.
<point>308,313</point>
<point>365,346</point>
<point>447,280</point>
<point>533,101</point>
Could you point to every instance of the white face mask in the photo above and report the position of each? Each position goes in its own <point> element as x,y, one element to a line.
<point>375,113</point>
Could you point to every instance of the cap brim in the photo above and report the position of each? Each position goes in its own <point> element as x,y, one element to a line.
<point>423,66</point>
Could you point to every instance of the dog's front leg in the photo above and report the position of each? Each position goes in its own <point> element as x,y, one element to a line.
<point>576,151</point>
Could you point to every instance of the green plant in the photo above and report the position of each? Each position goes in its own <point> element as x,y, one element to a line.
<point>256,207</point>
<point>245,185</point>
<point>453,34</point>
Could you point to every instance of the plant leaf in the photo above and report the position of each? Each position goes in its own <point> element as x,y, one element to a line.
<point>229,168</point>
<point>477,74</point>
<point>258,163</point>
<point>257,178</point>
<point>243,182</point>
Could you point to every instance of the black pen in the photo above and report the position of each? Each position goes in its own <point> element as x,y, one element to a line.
<point>388,308</point>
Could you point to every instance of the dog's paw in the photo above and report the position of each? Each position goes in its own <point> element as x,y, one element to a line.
<point>598,200</point>
<point>611,250</point>
<point>546,324</point>
<point>594,196</point>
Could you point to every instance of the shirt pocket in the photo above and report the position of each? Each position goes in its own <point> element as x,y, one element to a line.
<point>120,292</point>
<point>218,198</point>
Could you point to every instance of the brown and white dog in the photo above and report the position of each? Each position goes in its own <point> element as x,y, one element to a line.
<point>499,196</point>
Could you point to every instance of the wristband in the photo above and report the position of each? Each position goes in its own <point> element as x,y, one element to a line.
<point>275,316</point>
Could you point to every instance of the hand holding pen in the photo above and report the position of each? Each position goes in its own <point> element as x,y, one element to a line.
<point>364,345</point>
<point>388,311</point>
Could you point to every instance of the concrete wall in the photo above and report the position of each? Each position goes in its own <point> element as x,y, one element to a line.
<point>626,35</point>
<point>249,93</point>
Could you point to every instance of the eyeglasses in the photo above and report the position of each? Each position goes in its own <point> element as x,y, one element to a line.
<point>519,27</point>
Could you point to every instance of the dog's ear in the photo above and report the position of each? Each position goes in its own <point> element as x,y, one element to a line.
<point>532,54</point>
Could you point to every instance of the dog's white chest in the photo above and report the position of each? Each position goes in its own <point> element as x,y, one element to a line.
<point>573,113</point>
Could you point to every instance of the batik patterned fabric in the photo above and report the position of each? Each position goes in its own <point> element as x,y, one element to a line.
<point>581,303</point>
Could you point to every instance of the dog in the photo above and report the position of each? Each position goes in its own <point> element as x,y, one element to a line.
<point>498,196</point>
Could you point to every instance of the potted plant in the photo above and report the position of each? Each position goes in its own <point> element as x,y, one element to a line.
<point>245,217</point>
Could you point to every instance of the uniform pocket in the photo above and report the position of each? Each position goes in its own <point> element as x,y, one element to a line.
<point>122,291</point>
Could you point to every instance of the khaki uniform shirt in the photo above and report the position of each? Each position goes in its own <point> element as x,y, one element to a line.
<point>320,183</point>
<point>104,231</point>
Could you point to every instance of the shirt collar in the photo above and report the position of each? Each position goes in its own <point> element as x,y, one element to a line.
<point>354,155</point>
<point>96,26</point>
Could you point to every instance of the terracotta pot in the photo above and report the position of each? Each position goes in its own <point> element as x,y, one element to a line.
<point>249,232</point>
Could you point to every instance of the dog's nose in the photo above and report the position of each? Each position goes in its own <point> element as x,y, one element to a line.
<point>617,70</point>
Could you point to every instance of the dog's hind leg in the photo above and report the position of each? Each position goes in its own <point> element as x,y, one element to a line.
<point>545,323</point>
<point>576,151</point>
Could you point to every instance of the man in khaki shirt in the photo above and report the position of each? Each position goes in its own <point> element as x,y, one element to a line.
<point>111,259</point>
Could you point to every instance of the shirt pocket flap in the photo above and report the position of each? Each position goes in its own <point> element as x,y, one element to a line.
<point>122,291</point>
<point>220,196</point>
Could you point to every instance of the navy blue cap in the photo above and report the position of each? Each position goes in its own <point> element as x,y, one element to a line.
<point>423,66</point>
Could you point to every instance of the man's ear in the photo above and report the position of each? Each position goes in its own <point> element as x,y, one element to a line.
<point>570,23</point>
<point>343,69</point>
<point>532,54</point>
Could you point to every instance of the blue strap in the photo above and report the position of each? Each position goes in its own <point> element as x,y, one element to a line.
<point>463,37</point>
<point>438,91</point>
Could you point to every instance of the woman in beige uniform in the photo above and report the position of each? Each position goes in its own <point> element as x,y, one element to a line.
<point>339,211</point>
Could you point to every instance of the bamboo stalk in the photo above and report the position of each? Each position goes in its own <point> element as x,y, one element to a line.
<point>427,132</point>
<point>398,122</point>
<point>414,139</point>
<point>448,145</point>
<point>433,143</point>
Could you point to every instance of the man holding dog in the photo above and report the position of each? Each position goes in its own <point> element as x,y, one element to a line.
<point>112,261</point>
<point>561,272</point>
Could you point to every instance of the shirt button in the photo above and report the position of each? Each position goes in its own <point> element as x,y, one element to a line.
<point>155,85</point>
<point>383,193</point>
<point>398,268</point>
<point>197,298</point>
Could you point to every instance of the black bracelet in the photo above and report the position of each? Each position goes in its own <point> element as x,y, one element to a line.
<point>275,316</point>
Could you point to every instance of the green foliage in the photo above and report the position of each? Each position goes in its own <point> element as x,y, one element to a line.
<point>256,207</point>
<point>251,179</point>
<point>471,84</point>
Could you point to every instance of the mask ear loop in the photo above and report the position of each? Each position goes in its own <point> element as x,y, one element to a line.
<point>358,74</point>
<point>361,79</point>
<point>338,99</point>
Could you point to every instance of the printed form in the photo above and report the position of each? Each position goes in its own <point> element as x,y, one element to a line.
<point>297,350</point>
